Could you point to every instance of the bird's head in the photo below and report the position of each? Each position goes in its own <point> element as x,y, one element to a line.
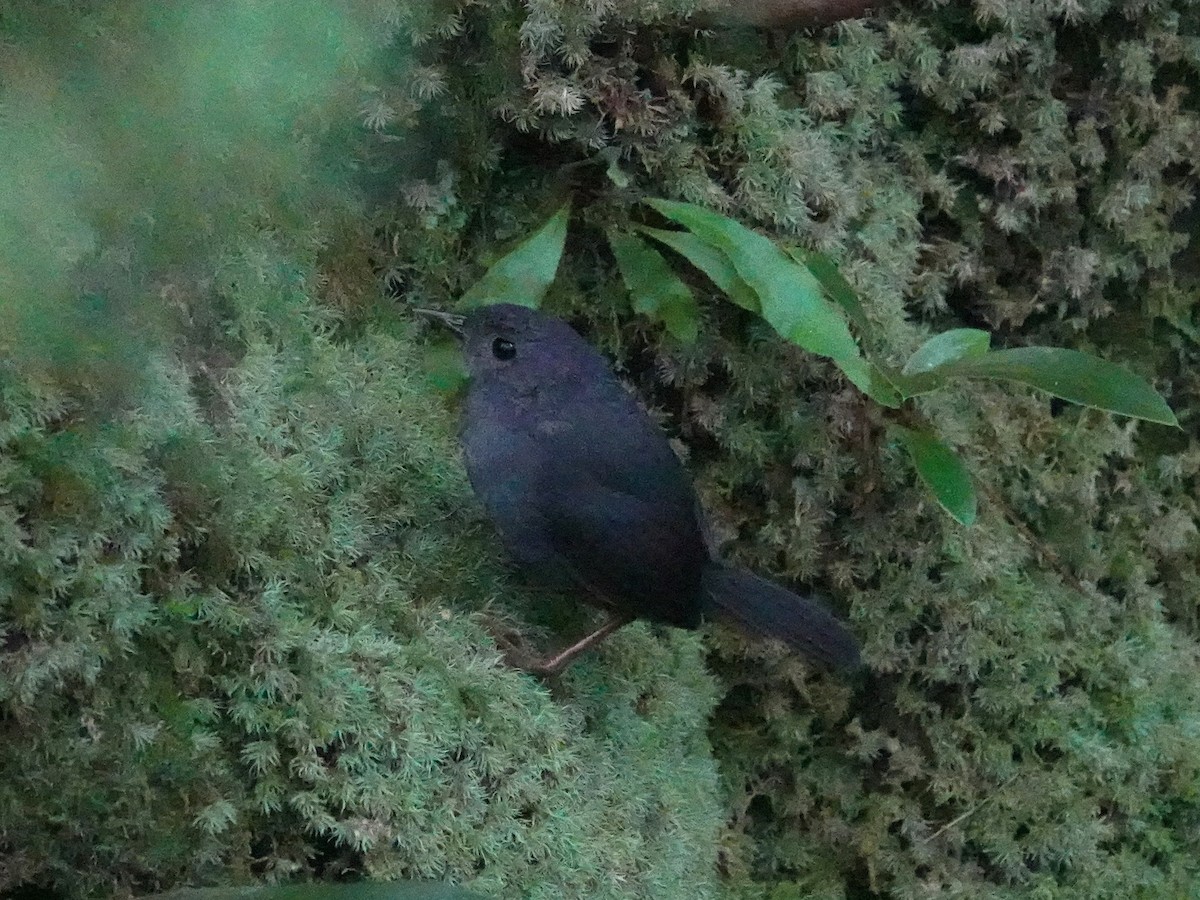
<point>518,345</point>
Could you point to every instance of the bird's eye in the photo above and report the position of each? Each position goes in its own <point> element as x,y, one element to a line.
<point>503,348</point>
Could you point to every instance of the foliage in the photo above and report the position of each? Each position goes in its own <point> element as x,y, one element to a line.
<point>655,290</point>
<point>523,275</point>
<point>942,472</point>
<point>248,605</point>
<point>791,297</point>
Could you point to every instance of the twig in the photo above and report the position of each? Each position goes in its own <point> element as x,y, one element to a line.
<point>970,812</point>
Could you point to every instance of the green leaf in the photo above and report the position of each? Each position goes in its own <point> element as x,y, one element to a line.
<point>655,289</point>
<point>1071,375</point>
<point>942,471</point>
<point>924,371</point>
<point>793,302</point>
<point>947,347</point>
<point>444,366</point>
<point>712,262</point>
<point>872,381</point>
<point>726,252</point>
<point>837,288</point>
<point>523,275</point>
<point>879,384</point>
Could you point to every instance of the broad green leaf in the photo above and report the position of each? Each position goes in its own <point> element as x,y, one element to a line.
<point>926,369</point>
<point>837,288</point>
<point>947,347</point>
<point>942,471</point>
<point>872,381</point>
<point>793,302</point>
<point>523,275</point>
<point>1071,375</point>
<point>358,890</point>
<point>862,373</point>
<point>655,289</point>
<point>881,385</point>
<point>444,367</point>
<point>711,254</point>
<point>711,261</point>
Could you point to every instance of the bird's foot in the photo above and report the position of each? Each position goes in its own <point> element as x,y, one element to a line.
<point>518,653</point>
<point>552,666</point>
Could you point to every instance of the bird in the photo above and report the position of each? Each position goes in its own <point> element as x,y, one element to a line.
<point>588,496</point>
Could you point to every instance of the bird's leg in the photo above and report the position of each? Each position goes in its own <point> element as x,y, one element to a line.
<point>561,660</point>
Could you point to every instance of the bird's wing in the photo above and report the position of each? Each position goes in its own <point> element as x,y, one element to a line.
<point>621,511</point>
<point>643,557</point>
<point>587,489</point>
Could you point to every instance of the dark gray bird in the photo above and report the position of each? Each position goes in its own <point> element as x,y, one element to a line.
<point>587,494</point>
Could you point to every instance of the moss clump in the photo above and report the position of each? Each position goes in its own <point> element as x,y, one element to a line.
<point>245,639</point>
<point>246,599</point>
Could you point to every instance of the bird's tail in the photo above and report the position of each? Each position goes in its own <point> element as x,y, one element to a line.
<point>757,606</point>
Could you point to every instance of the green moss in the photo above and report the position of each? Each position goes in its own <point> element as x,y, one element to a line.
<point>246,599</point>
<point>259,634</point>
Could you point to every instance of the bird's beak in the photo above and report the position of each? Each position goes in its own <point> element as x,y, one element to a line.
<point>453,321</point>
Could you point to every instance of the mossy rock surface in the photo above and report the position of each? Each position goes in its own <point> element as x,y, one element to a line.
<point>249,609</point>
